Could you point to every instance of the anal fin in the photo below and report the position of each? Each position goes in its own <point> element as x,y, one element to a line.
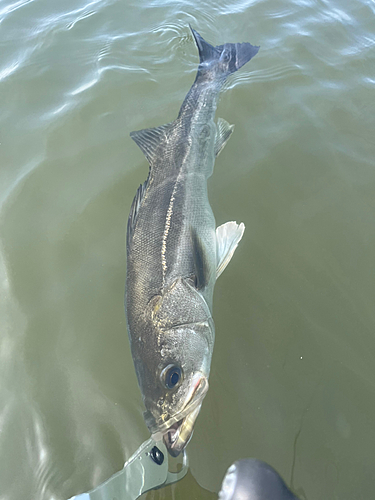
<point>228,236</point>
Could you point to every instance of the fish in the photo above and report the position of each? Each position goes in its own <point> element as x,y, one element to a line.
<point>175,253</point>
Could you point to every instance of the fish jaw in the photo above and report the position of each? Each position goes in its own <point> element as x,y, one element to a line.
<point>178,430</point>
<point>179,434</point>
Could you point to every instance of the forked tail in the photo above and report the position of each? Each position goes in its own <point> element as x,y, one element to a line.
<point>222,60</point>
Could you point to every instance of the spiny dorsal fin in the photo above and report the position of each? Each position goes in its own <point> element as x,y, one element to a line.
<point>149,139</point>
<point>200,261</point>
<point>228,236</point>
<point>223,132</point>
<point>132,219</point>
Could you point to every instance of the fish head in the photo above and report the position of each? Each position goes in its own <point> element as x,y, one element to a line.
<point>176,381</point>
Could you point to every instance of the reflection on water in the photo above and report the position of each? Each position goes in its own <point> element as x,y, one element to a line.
<point>292,377</point>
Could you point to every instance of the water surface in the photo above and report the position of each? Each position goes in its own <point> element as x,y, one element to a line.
<point>293,372</point>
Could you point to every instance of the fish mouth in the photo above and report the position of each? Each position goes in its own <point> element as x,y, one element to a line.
<point>180,433</point>
<point>178,430</point>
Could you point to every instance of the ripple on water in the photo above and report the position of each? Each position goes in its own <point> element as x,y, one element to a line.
<point>9,69</point>
<point>5,11</point>
<point>84,15</point>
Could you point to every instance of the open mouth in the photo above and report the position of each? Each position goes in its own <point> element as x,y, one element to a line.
<point>176,432</point>
<point>179,429</point>
<point>173,432</point>
<point>180,433</point>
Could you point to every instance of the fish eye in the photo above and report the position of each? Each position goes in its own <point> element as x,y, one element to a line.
<point>171,376</point>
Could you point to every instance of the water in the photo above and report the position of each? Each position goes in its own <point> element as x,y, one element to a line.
<point>293,373</point>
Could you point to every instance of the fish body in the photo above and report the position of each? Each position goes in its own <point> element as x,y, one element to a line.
<point>175,254</point>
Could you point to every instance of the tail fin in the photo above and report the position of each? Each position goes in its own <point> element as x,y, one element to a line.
<point>222,59</point>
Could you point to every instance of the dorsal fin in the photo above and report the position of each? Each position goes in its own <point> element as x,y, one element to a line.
<point>149,140</point>
<point>132,219</point>
<point>223,132</point>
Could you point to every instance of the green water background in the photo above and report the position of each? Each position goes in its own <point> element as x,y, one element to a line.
<point>293,372</point>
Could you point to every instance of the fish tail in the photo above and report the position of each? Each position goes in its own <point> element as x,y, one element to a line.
<point>222,60</point>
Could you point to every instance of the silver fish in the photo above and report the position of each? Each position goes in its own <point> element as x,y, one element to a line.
<point>174,253</point>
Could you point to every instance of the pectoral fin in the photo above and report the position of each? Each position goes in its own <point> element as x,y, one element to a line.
<point>228,236</point>
<point>223,132</point>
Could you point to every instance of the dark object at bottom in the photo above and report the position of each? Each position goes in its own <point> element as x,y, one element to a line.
<point>252,479</point>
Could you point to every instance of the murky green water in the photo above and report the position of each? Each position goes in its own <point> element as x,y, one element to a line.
<point>293,373</point>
